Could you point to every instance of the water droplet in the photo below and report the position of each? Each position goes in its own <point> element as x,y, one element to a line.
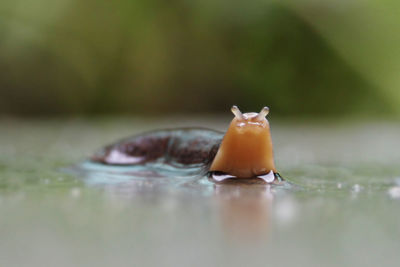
<point>356,188</point>
<point>394,192</point>
<point>75,192</point>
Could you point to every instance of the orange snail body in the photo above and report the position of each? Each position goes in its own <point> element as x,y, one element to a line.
<point>246,150</point>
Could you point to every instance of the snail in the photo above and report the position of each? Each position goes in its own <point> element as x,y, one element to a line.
<point>245,151</point>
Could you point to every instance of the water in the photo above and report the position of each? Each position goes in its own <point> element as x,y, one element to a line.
<point>341,207</point>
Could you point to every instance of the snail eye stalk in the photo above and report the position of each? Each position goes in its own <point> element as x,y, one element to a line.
<point>263,113</point>
<point>236,111</point>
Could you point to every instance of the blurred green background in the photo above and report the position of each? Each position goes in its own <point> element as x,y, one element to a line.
<point>311,58</point>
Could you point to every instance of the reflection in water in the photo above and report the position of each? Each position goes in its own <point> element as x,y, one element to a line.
<point>243,207</point>
<point>149,181</point>
<point>244,210</point>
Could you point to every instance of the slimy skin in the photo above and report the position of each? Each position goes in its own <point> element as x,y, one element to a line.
<point>246,149</point>
<point>178,147</point>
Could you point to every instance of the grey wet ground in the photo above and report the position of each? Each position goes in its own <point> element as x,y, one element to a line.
<point>342,209</point>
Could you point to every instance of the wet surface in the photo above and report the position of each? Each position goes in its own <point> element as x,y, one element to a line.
<point>341,205</point>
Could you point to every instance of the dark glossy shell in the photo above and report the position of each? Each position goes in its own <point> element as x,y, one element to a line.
<point>185,146</point>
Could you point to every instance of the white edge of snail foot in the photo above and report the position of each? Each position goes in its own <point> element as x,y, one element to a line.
<point>220,178</point>
<point>268,178</point>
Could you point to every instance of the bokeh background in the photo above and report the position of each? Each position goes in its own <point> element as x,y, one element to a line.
<point>76,75</point>
<point>301,58</point>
